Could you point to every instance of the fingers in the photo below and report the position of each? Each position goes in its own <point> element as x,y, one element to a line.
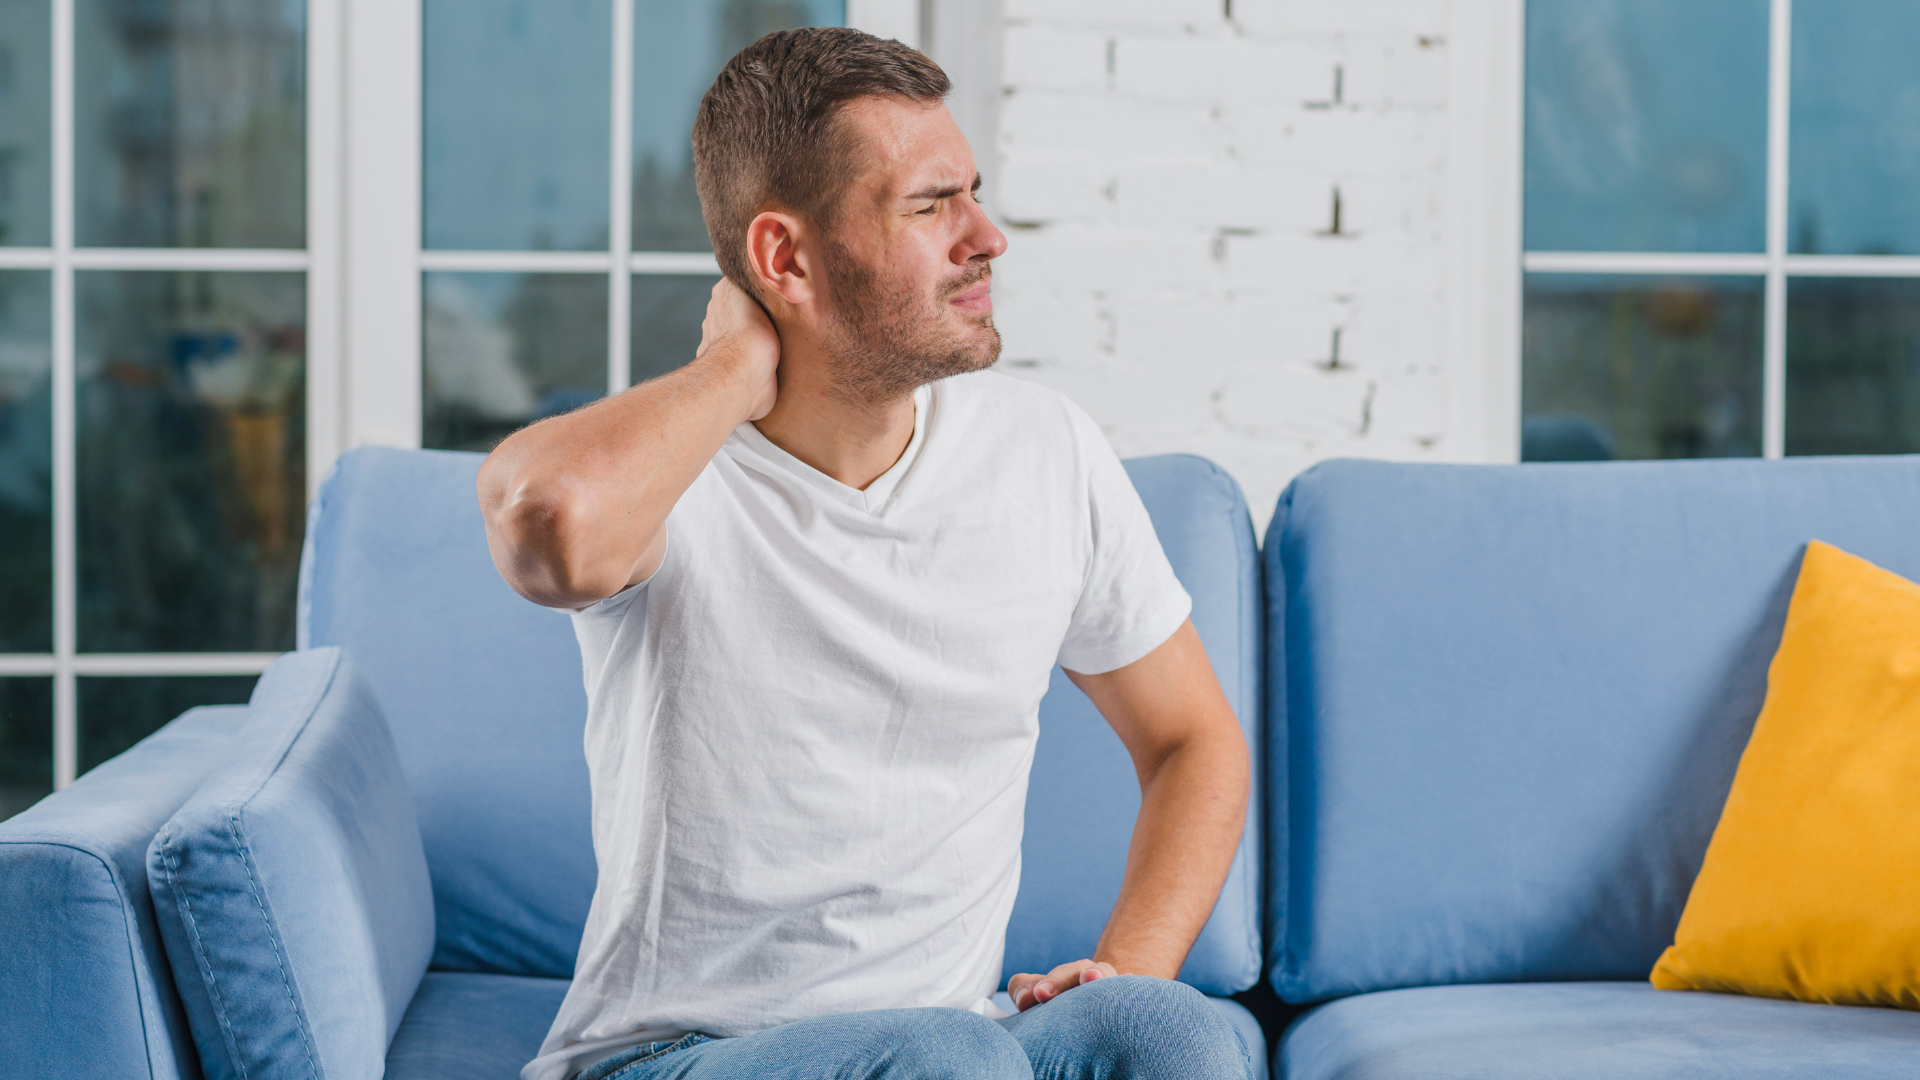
<point>1030,990</point>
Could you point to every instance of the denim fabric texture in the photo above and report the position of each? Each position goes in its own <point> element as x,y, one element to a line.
<point>1124,1028</point>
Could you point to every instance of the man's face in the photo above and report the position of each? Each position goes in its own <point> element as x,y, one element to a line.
<point>908,260</point>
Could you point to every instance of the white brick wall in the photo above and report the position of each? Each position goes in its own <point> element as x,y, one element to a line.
<point>1167,178</point>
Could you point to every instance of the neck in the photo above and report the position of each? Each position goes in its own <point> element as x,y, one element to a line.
<point>816,421</point>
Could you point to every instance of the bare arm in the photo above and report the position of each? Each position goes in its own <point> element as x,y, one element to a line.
<point>1191,760</point>
<point>575,505</point>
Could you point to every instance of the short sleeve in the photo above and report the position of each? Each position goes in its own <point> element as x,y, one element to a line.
<point>1131,602</point>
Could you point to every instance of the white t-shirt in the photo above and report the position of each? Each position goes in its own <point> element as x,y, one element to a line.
<point>809,732</point>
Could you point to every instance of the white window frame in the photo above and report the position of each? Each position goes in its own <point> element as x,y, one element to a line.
<point>1775,266</point>
<point>381,376</point>
<point>319,261</point>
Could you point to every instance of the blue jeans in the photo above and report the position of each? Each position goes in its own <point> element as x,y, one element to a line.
<point>1122,1028</point>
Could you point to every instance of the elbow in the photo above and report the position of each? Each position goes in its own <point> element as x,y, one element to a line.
<point>537,530</point>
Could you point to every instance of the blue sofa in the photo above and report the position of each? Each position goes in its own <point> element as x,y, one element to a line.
<point>270,908</point>
<point>1497,710</point>
<point>1513,700</point>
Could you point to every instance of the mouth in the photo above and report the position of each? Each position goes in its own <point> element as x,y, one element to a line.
<point>976,299</point>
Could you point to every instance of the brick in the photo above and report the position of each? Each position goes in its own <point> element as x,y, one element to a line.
<point>1396,72</point>
<point>1054,124</point>
<point>1194,15</point>
<point>1412,17</point>
<point>1056,58</point>
<point>1108,261</point>
<point>1217,196</point>
<point>1340,142</point>
<point>1031,188</point>
<point>1328,266</point>
<point>1171,69</point>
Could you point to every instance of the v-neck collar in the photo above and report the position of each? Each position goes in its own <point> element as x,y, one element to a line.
<point>877,493</point>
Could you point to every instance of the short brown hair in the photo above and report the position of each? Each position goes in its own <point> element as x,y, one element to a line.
<point>766,133</point>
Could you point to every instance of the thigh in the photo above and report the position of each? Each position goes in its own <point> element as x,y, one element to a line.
<point>884,1044</point>
<point>1130,1027</point>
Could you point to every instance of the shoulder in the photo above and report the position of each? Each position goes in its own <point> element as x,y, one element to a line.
<point>1022,408</point>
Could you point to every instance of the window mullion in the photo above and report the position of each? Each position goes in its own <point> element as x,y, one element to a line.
<point>1773,397</point>
<point>620,200</point>
<point>65,711</point>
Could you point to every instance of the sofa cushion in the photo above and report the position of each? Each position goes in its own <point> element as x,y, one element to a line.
<point>1514,698</point>
<point>485,696</point>
<point>290,889</point>
<point>1593,1031</point>
<point>1809,889</point>
<point>473,1026</point>
<point>85,989</point>
<point>1083,793</point>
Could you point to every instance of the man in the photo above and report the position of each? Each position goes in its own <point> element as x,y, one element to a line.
<point>820,576</point>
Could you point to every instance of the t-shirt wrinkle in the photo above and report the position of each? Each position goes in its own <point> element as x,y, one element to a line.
<point>809,732</point>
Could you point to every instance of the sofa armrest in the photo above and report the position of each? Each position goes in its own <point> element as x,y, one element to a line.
<point>85,988</point>
<point>291,890</point>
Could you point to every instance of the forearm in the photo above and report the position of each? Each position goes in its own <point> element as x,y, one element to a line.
<point>1192,810</point>
<point>572,503</point>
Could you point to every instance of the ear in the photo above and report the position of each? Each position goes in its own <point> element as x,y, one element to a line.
<point>776,252</point>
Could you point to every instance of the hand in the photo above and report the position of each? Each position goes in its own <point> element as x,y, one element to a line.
<point>1030,990</point>
<point>738,326</point>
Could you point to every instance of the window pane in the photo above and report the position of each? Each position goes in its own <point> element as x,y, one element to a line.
<point>667,311</point>
<point>517,115</point>
<point>1634,367</point>
<point>504,350</point>
<point>1855,163</point>
<point>678,47</point>
<point>26,461</point>
<point>1853,366</point>
<point>1646,125</point>
<point>191,459</point>
<point>26,123</point>
<point>190,124</point>
<point>26,743</point>
<point>119,711</point>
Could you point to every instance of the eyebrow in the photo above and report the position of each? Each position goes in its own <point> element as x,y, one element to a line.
<point>944,191</point>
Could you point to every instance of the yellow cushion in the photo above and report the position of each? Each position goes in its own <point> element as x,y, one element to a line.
<point>1811,885</point>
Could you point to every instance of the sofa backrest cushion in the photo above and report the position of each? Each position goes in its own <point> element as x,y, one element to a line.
<point>485,695</point>
<point>290,889</point>
<point>85,988</point>
<point>1513,699</point>
<point>1083,795</point>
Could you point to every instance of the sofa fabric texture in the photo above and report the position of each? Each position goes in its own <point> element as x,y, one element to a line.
<point>85,987</point>
<point>485,695</point>
<point>1593,1031</point>
<point>484,691</point>
<point>290,889</point>
<point>1082,798</point>
<point>1514,698</point>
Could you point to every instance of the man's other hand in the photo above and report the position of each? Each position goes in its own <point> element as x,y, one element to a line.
<point>736,322</point>
<point>1030,990</point>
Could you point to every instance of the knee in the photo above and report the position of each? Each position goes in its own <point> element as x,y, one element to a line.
<point>943,1044</point>
<point>1152,1028</point>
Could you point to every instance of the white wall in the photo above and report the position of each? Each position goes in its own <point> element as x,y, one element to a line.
<point>1167,172</point>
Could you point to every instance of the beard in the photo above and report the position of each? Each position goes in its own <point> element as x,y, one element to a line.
<point>888,338</point>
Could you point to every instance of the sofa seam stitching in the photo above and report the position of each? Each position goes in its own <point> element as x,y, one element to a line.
<point>279,958</point>
<point>200,957</point>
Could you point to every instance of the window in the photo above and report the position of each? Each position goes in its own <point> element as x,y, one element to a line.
<point>153,367</point>
<point>1722,240</point>
<point>563,252</point>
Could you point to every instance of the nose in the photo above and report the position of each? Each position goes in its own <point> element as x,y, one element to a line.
<point>980,237</point>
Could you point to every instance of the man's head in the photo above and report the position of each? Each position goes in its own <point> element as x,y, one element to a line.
<point>839,193</point>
